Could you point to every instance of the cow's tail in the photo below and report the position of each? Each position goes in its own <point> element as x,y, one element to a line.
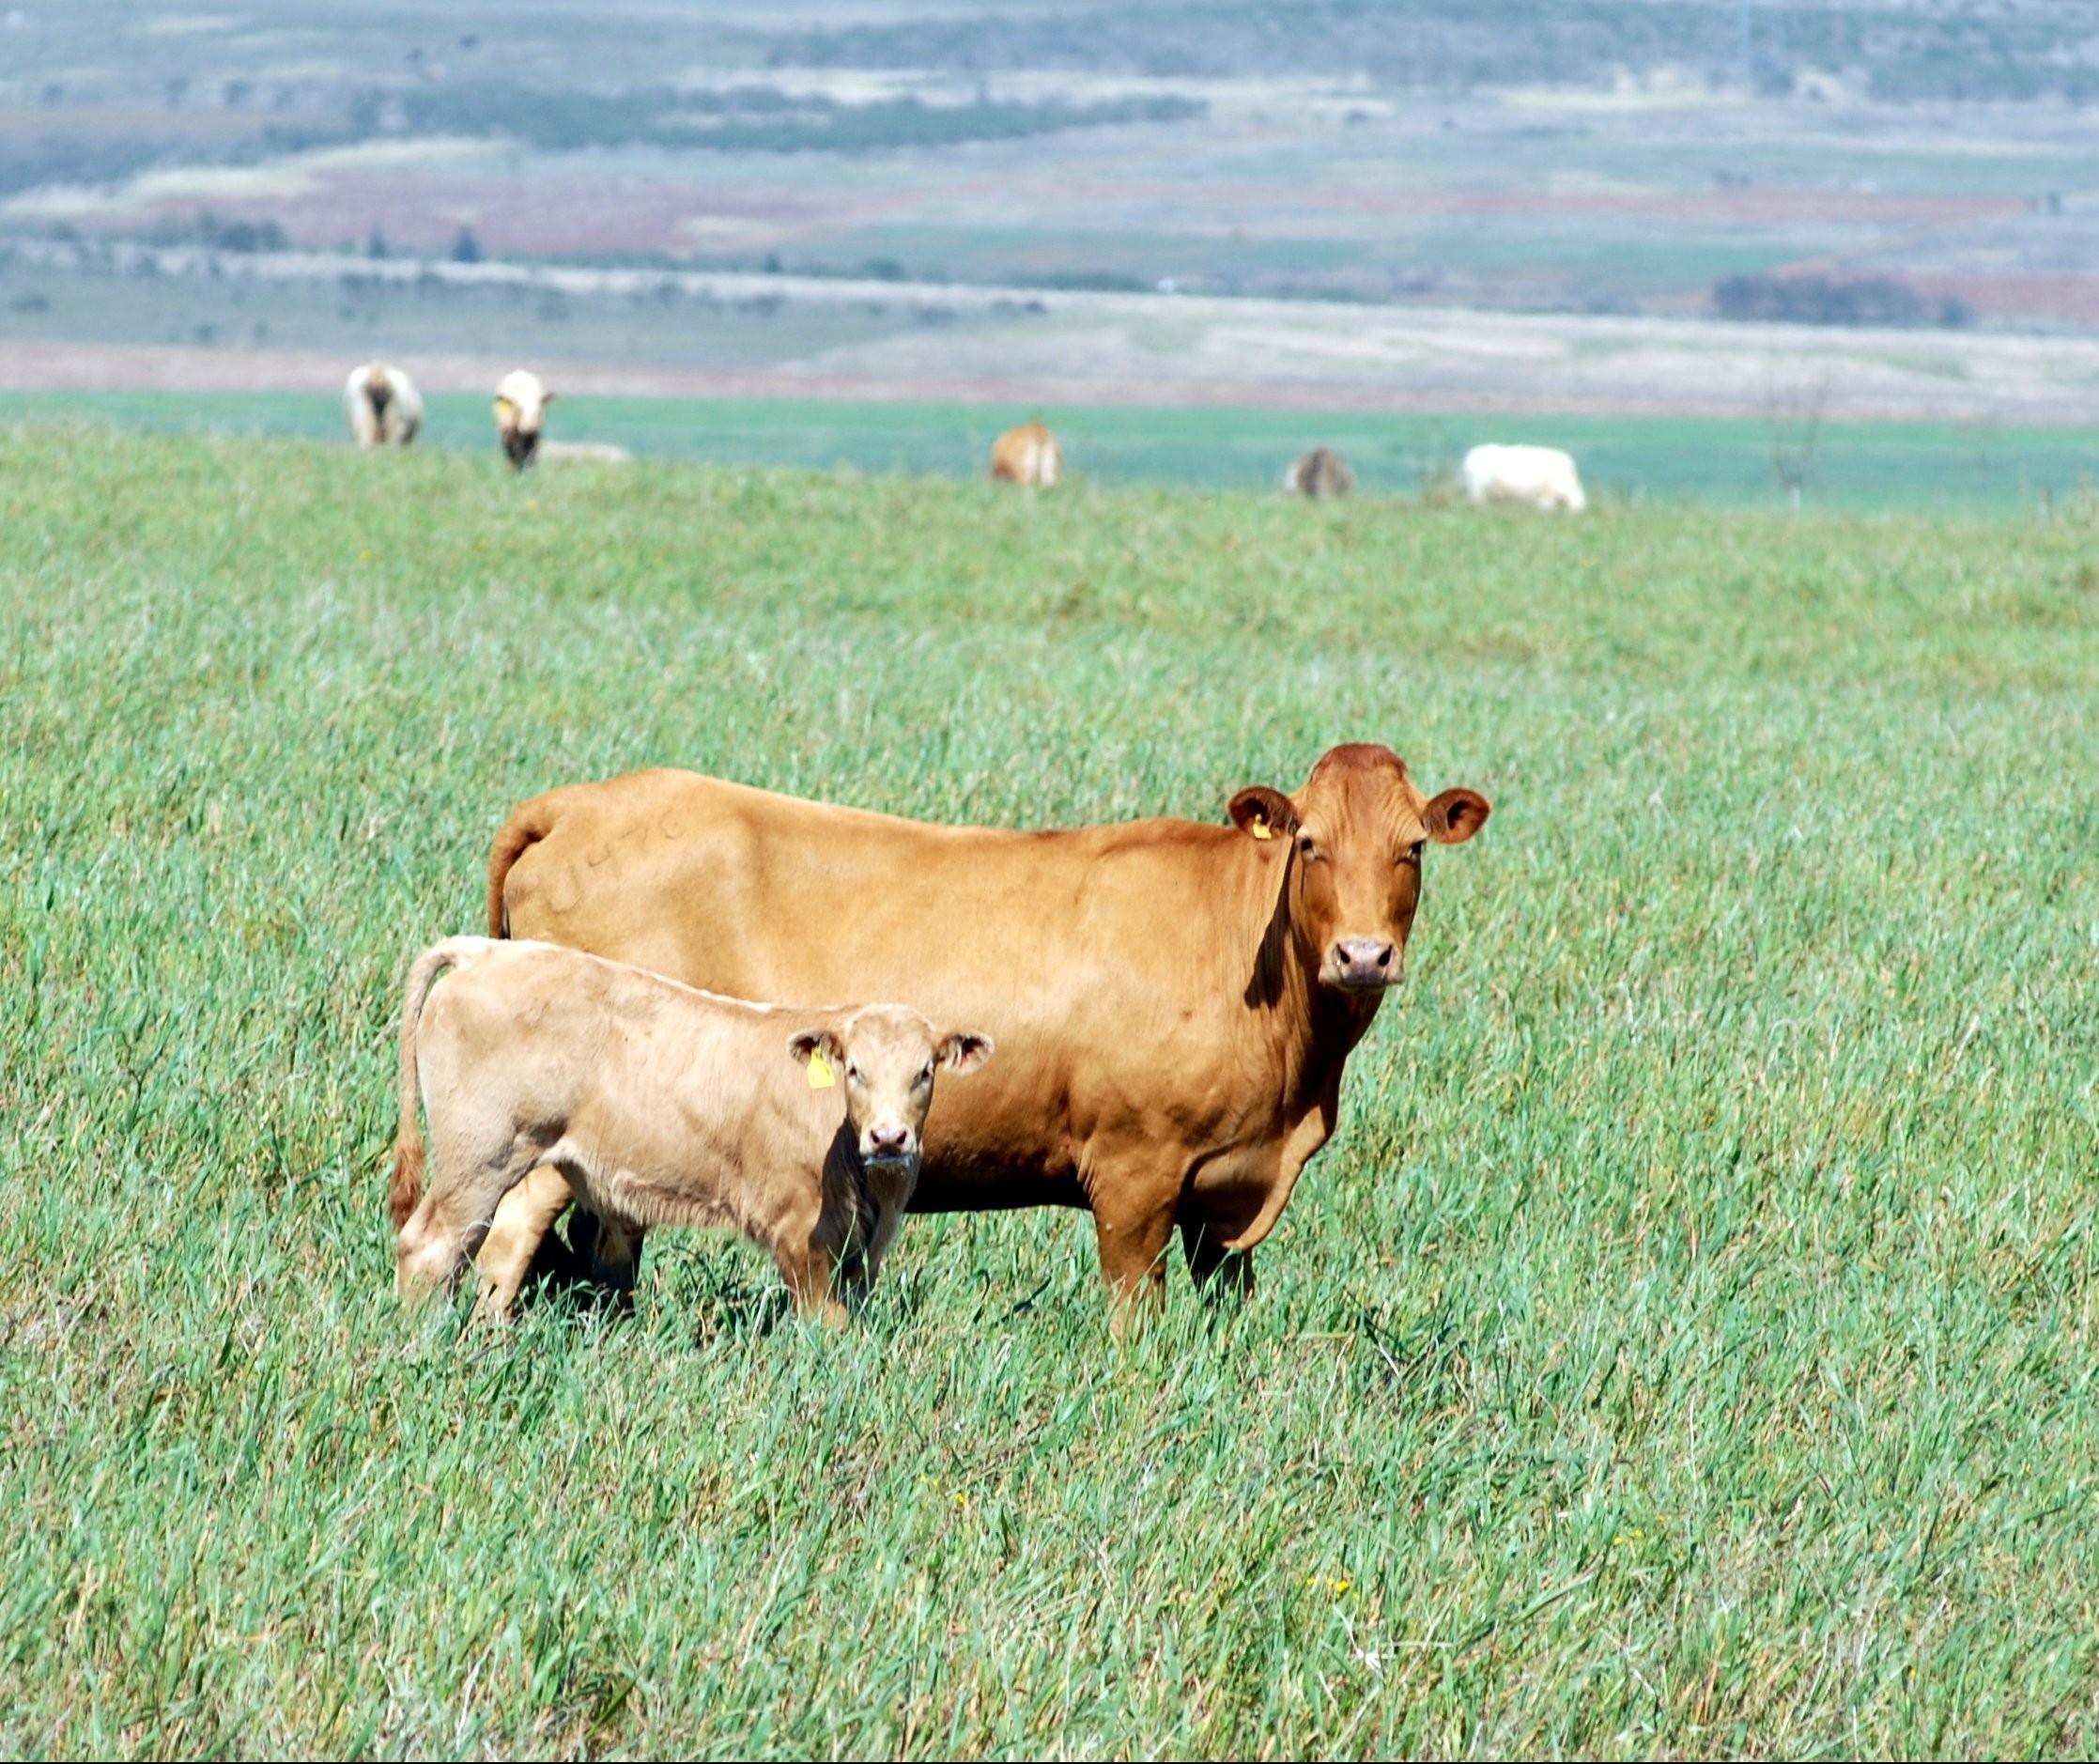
<point>528,824</point>
<point>407,1147</point>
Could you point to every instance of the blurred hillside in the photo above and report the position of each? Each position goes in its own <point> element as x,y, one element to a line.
<point>1907,165</point>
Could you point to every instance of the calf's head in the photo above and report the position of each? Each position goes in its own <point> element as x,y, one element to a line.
<point>1354,835</point>
<point>885,1056</point>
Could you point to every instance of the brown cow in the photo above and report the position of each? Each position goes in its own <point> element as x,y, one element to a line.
<point>1320,473</point>
<point>659,1106</point>
<point>1026,454</point>
<point>1173,1002</point>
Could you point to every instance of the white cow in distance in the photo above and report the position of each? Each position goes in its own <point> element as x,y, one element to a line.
<point>383,406</point>
<point>1539,477</point>
<point>522,404</point>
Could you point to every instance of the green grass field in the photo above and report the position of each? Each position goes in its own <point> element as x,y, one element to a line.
<point>1686,1346</point>
<point>1855,466</point>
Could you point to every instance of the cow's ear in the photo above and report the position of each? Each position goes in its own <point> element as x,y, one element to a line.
<point>547,397</point>
<point>503,404</point>
<point>1456,815</point>
<point>1264,813</point>
<point>961,1051</point>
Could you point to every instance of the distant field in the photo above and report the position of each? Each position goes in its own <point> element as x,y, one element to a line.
<point>1855,465</point>
<point>1688,1346</point>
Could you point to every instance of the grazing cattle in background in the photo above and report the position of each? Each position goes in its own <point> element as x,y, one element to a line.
<point>658,1105</point>
<point>1026,454</point>
<point>383,406</point>
<point>1173,1002</point>
<point>1320,473</point>
<point>522,404</point>
<point>1539,477</point>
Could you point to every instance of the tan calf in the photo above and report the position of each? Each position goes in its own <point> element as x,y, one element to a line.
<point>659,1105</point>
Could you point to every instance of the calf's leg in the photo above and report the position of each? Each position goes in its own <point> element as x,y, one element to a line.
<point>809,1267</point>
<point>449,1223</point>
<point>524,1217</point>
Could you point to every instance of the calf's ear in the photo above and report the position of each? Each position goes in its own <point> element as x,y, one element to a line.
<point>961,1051</point>
<point>818,1044</point>
<point>1456,815</point>
<point>547,397</point>
<point>1262,812</point>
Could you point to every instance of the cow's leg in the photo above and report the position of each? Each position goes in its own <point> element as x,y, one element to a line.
<point>524,1219</point>
<point>613,1251</point>
<point>609,1251</point>
<point>1218,1273</point>
<point>1132,1223</point>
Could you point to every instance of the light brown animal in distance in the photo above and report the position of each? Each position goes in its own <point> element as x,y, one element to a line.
<point>1173,1002</point>
<point>1026,454</point>
<point>382,405</point>
<point>656,1105</point>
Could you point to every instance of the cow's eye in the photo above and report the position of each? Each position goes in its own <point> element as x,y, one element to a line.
<point>924,1078</point>
<point>853,1072</point>
<point>1308,847</point>
<point>1413,851</point>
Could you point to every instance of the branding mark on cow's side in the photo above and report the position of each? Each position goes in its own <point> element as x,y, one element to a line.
<point>565,891</point>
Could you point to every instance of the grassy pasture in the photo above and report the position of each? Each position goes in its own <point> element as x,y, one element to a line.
<point>1686,1346</point>
<point>1855,466</point>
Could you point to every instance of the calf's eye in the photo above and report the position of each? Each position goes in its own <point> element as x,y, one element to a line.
<point>924,1078</point>
<point>853,1072</point>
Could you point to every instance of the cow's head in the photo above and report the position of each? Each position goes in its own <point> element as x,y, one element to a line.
<point>885,1056</point>
<point>522,404</point>
<point>1353,840</point>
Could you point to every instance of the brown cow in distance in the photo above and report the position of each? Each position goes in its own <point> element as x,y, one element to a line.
<point>1026,454</point>
<point>1320,473</point>
<point>1173,1002</point>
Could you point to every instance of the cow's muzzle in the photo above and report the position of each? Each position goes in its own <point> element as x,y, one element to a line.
<point>1362,965</point>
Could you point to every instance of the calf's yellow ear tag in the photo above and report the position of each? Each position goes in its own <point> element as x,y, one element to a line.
<point>1261,829</point>
<point>821,1077</point>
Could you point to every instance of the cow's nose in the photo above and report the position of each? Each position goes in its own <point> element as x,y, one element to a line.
<point>888,1141</point>
<point>1366,962</point>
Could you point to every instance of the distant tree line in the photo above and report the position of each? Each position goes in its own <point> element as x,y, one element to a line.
<point>750,119</point>
<point>1820,300</point>
<point>219,232</point>
<point>1898,53</point>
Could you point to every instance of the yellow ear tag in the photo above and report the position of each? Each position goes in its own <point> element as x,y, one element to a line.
<point>1261,829</point>
<point>821,1077</point>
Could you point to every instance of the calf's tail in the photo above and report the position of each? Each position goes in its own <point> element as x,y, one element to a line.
<point>407,1147</point>
<point>529,823</point>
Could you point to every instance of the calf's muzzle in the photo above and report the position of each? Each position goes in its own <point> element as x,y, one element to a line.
<point>886,1144</point>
